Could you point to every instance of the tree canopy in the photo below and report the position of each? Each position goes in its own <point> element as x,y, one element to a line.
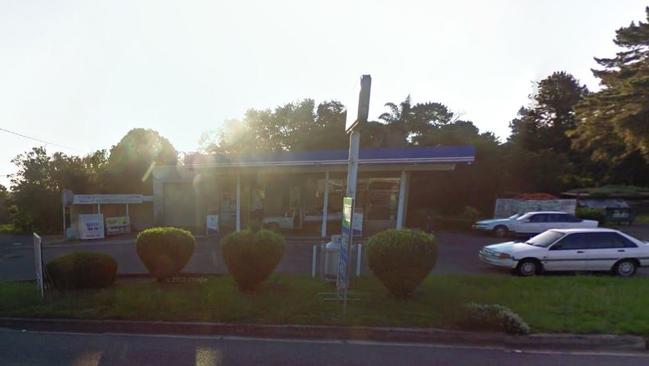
<point>40,179</point>
<point>130,162</point>
<point>614,120</point>
<point>545,122</point>
<point>297,126</point>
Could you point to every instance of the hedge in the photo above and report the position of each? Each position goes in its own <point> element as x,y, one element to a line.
<point>81,270</point>
<point>401,259</point>
<point>165,251</point>
<point>252,256</point>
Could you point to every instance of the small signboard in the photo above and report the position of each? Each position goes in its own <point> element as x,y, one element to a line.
<point>91,226</point>
<point>118,225</point>
<point>348,204</point>
<point>212,224</point>
<point>94,199</point>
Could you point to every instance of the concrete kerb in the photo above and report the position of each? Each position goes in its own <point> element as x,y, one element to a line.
<point>410,335</point>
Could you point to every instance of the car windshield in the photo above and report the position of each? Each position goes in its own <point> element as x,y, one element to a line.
<point>545,239</point>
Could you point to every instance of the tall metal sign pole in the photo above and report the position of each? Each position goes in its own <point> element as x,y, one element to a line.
<point>352,127</point>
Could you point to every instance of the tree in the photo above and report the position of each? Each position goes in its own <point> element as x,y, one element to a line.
<point>80,174</point>
<point>407,124</point>
<point>297,126</point>
<point>329,132</point>
<point>538,151</point>
<point>40,180</point>
<point>129,165</point>
<point>4,205</point>
<point>545,123</point>
<point>614,120</point>
<point>34,193</point>
<point>397,119</point>
<point>454,190</point>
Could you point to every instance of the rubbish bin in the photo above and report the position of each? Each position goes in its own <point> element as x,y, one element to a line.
<point>331,257</point>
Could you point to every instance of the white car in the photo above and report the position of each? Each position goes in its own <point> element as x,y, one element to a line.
<point>571,250</point>
<point>533,223</point>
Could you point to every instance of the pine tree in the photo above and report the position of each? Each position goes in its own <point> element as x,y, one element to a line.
<point>615,120</point>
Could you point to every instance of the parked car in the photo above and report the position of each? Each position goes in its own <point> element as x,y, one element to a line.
<point>571,250</point>
<point>500,227</point>
<point>533,223</point>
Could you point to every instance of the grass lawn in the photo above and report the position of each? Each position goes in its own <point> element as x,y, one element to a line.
<point>581,304</point>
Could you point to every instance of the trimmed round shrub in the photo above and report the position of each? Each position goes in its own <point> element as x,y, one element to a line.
<point>165,251</point>
<point>401,259</point>
<point>252,256</point>
<point>81,270</point>
<point>496,318</point>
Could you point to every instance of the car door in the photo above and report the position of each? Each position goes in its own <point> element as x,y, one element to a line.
<point>555,221</point>
<point>567,254</point>
<point>535,224</point>
<point>606,248</point>
<point>572,222</point>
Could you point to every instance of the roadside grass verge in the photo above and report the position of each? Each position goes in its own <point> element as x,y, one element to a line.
<point>578,304</point>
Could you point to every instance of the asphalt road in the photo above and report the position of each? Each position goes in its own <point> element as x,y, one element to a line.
<point>40,348</point>
<point>457,254</point>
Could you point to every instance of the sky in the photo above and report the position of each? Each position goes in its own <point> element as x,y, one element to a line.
<point>80,74</point>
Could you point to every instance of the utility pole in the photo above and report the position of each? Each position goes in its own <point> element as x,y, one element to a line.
<point>353,128</point>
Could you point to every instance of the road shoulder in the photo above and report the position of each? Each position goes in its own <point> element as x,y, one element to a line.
<point>599,342</point>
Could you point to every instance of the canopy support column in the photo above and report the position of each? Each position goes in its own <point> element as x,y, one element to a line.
<point>325,207</point>
<point>402,204</point>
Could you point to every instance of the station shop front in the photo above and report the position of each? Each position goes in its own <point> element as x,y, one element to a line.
<point>298,193</point>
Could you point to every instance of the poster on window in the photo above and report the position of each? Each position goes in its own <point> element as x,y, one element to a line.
<point>212,225</point>
<point>118,225</point>
<point>91,226</point>
<point>357,224</point>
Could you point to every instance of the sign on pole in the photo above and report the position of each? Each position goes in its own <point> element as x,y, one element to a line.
<point>38,263</point>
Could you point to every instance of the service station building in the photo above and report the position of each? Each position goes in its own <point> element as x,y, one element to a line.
<point>297,192</point>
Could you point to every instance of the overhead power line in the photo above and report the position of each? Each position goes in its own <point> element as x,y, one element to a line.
<point>38,140</point>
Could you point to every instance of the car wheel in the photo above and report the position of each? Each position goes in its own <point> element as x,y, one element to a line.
<point>501,231</point>
<point>527,268</point>
<point>625,268</point>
